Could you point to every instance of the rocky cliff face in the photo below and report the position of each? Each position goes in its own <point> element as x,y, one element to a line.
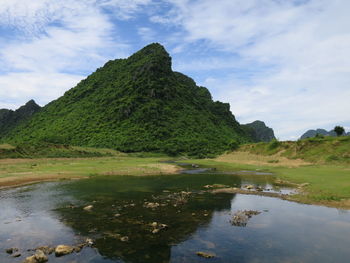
<point>259,132</point>
<point>10,119</point>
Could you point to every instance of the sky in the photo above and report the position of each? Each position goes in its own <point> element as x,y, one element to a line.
<point>286,62</point>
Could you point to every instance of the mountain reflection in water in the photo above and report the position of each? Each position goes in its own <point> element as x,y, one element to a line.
<point>168,219</point>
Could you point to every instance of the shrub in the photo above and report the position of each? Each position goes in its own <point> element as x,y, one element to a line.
<point>320,136</point>
<point>273,144</point>
<point>331,158</point>
<point>233,145</point>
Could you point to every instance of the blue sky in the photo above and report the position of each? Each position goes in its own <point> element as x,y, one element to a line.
<point>281,61</point>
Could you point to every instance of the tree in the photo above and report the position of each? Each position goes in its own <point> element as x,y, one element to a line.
<point>339,130</point>
<point>273,144</point>
<point>320,136</point>
<point>233,145</point>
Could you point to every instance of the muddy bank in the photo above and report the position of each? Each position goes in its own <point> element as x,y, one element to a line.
<point>10,182</point>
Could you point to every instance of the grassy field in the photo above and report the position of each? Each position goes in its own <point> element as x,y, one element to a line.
<point>45,150</point>
<point>322,150</point>
<point>21,171</point>
<point>327,184</point>
<point>322,163</point>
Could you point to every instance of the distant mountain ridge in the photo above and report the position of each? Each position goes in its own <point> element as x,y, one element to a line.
<point>313,133</point>
<point>133,105</point>
<point>259,132</point>
<point>10,119</point>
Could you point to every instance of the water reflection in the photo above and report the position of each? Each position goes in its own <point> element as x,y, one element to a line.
<point>180,204</point>
<point>194,220</point>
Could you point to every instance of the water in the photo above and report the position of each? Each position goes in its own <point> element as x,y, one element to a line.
<point>52,214</point>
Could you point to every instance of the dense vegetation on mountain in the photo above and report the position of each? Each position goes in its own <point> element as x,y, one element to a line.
<point>133,105</point>
<point>10,119</point>
<point>259,132</point>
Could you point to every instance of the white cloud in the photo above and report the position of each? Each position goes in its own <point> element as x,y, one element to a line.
<point>146,33</point>
<point>21,87</point>
<point>303,46</point>
<point>124,9</point>
<point>57,44</point>
<point>286,62</point>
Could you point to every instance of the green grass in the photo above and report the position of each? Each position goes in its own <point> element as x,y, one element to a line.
<point>46,150</point>
<point>329,180</point>
<point>329,150</point>
<point>326,182</point>
<point>83,167</point>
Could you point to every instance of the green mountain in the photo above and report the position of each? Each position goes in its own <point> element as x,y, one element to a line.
<point>259,132</point>
<point>136,104</point>
<point>10,119</point>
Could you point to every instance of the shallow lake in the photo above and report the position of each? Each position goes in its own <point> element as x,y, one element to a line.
<point>169,218</point>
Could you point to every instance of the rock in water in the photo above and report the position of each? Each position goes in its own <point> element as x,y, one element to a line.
<point>46,249</point>
<point>205,254</point>
<point>124,239</point>
<point>89,242</point>
<point>11,250</point>
<point>30,259</point>
<point>88,208</point>
<point>151,205</point>
<point>241,218</point>
<point>249,187</point>
<point>62,250</point>
<point>38,257</point>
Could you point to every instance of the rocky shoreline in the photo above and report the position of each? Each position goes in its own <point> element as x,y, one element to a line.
<point>41,253</point>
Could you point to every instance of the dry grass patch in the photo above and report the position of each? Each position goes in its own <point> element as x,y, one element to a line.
<point>254,159</point>
<point>22,171</point>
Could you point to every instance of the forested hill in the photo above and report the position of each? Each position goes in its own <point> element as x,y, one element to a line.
<point>136,104</point>
<point>10,119</point>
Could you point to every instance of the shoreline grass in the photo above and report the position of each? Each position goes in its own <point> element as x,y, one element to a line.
<point>14,172</point>
<point>327,185</point>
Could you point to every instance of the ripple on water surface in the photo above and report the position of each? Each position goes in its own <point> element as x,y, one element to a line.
<point>168,219</point>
